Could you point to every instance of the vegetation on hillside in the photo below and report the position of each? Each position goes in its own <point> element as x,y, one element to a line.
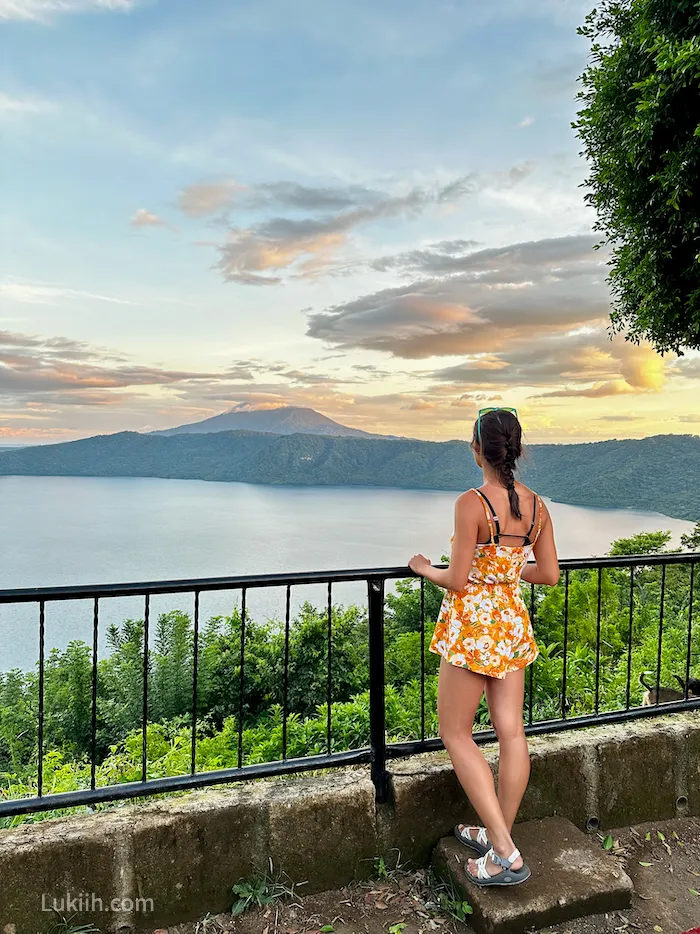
<point>640,127</point>
<point>623,474</point>
<point>67,715</point>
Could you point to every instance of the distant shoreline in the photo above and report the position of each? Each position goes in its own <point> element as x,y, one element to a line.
<point>608,474</point>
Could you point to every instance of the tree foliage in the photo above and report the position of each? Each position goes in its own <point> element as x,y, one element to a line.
<point>639,123</point>
<point>691,540</point>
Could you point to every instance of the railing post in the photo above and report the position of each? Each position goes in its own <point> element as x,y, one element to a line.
<point>377,709</point>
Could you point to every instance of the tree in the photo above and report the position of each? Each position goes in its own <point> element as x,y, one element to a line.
<point>220,673</point>
<point>68,698</point>
<point>640,127</point>
<point>308,657</point>
<point>173,663</point>
<point>643,543</point>
<point>691,540</point>
<point>120,679</point>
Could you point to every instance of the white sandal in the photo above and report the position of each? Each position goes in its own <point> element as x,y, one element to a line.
<point>480,842</point>
<point>507,875</point>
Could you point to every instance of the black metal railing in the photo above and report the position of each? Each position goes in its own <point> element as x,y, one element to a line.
<point>647,574</point>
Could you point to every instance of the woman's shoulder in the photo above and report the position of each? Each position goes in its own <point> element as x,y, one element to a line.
<point>468,501</point>
<point>472,495</point>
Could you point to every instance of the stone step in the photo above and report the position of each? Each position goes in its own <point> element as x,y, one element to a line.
<point>572,876</point>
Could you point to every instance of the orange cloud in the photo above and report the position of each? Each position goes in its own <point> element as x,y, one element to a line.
<point>205,198</point>
<point>642,367</point>
<point>419,405</point>
<point>615,387</point>
<point>144,218</point>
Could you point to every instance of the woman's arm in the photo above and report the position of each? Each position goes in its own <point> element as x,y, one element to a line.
<point>454,577</point>
<point>546,567</point>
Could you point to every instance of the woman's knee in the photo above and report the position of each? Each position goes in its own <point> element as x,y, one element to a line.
<point>509,730</point>
<point>454,734</point>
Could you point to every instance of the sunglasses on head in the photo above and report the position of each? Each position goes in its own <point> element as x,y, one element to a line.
<point>497,408</point>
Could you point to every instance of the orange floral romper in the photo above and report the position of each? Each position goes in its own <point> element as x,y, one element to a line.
<point>486,627</point>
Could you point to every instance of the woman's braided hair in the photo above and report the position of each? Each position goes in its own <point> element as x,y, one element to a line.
<point>499,441</point>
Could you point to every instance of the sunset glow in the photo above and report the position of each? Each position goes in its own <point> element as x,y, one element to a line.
<point>370,208</point>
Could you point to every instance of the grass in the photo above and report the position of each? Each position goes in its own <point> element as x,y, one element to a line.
<point>448,899</point>
<point>262,889</point>
<point>63,925</point>
<point>386,873</point>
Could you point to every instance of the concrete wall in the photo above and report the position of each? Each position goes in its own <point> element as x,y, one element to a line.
<point>186,853</point>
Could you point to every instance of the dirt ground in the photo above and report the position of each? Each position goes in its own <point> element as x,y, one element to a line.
<point>662,859</point>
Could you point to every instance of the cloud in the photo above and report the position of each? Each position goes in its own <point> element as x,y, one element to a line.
<point>144,218</point>
<point>620,418</point>
<point>470,400</point>
<point>309,198</point>
<point>210,198</point>
<point>41,376</point>
<point>474,303</point>
<point>540,361</point>
<point>642,367</point>
<point>43,10</point>
<point>371,368</point>
<point>526,122</point>
<point>247,257</point>
<point>204,199</point>
<point>307,245</point>
<point>418,405</point>
<point>639,368</point>
<point>688,367</point>
<point>39,293</point>
<point>561,257</point>
<point>454,246</point>
<point>31,434</point>
<point>693,417</point>
<point>615,387</point>
<point>304,378</point>
<point>31,364</point>
<point>530,315</point>
<point>11,105</point>
<point>58,381</point>
<point>287,244</point>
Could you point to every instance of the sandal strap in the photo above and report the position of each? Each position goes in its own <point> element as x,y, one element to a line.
<point>481,870</point>
<point>501,860</point>
<point>481,835</point>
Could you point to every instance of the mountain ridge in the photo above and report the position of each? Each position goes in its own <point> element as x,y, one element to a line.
<point>283,420</point>
<point>621,473</point>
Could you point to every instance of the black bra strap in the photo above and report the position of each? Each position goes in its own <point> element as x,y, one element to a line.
<point>497,536</point>
<point>527,538</point>
<point>497,524</point>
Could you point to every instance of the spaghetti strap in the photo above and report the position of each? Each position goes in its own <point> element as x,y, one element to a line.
<point>488,510</point>
<point>540,509</point>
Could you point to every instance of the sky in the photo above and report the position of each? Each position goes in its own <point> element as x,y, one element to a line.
<point>374,208</point>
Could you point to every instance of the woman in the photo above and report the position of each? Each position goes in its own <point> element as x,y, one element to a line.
<point>485,638</point>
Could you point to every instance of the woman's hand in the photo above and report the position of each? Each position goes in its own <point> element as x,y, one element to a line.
<point>419,564</point>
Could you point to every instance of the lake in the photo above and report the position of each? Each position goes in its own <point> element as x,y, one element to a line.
<point>77,530</point>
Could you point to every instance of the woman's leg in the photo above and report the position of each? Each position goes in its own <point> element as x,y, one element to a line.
<point>459,693</point>
<point>505,699</point>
